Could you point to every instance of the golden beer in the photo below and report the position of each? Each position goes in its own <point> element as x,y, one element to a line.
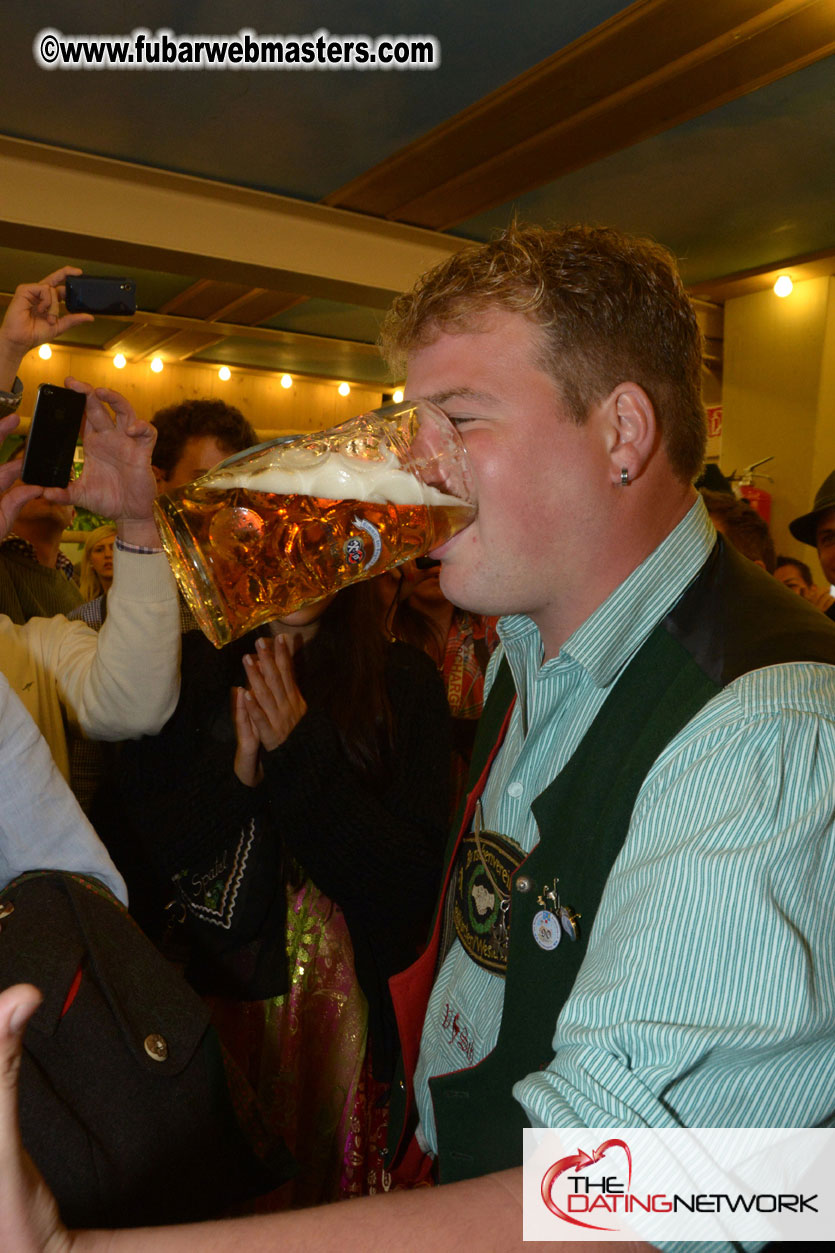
<point>284,525</point>
<point>267,555</point>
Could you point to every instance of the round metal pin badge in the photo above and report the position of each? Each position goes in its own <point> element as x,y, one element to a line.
<point>546,930</point>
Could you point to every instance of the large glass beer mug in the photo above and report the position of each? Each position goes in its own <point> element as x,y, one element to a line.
<point>286,523</point>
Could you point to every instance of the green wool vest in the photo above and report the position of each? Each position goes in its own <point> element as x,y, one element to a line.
<point>732,619</point>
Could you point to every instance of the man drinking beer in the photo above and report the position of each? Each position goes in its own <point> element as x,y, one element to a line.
<point>649,834</point>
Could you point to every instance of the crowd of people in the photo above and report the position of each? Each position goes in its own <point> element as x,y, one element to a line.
<point>632,723</point>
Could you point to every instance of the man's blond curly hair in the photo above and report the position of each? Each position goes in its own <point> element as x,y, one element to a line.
<point>612,308</point>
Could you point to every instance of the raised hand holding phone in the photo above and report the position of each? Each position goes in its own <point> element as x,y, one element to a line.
<point>117,481</point>
<point>53,435</point>
<point>34,317</point>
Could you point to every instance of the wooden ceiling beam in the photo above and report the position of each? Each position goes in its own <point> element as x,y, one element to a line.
<point>212,301</point>
<point>266,334</point>
<point>153,330</point>
<point>256,305</point>
<point>652,67</point>
<point>799,269</point>
<point>70,203</point>
<point>203,298</point>
<point>139,339</point>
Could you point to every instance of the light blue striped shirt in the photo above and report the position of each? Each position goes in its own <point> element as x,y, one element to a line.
<point>707,994</point>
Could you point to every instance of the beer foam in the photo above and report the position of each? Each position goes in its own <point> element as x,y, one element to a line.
<point>337,477</point>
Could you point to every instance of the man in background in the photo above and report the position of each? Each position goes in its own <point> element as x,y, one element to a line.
<point>797,577</point>
<point>817,529</point>
<point>194,436</point>
<point>742,526</point>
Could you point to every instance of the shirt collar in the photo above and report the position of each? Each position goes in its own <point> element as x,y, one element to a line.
<point>613,633</point>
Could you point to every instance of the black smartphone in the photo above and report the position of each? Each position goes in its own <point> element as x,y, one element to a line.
<point>53,435</point>
<point>88,294</point>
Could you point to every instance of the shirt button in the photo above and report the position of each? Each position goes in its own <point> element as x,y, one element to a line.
<point>515,790</point>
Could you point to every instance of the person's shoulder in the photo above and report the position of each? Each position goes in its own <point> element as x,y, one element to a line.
<point>806,687</point>
<point>774,708</point>
<point>9,600</point>
<point>93,612</point>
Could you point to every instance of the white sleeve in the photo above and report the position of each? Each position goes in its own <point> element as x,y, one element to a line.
<point>41,824</point>
<point>128,684</point>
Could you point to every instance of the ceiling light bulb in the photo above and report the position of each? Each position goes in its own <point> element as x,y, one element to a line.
<point>44,352</point>
<point>286,381</point>
<point>224,373</point>
<point>783,286</point>
<point>120,361</point>
<point>156,365</point>
<point>344,389</point>
<point>398,396</point>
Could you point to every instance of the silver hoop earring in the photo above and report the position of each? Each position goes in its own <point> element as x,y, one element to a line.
<point>624,476</point>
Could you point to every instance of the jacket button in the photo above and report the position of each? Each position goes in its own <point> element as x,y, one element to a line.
<point>401,1085</point>
<point>523,883</point>
<point>156,1048</point>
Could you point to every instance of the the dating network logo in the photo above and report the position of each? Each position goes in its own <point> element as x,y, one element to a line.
<point>580,1193</point>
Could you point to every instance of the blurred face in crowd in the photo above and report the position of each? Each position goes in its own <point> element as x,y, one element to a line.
<point>826,543</point>
<point>790,577</point>
<point>199,454</point>
<point>101,559</point>
<point>40,511</point>
<point>422,588</point>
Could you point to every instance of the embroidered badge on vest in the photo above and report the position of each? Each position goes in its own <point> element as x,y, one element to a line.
<point>483,870</point>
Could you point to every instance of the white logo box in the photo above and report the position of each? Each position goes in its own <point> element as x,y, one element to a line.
<point>720,1185</point>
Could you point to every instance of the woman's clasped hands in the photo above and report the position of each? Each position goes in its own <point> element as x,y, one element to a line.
<point>268,710</point>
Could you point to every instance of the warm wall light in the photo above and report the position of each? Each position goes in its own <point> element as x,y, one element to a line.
<point>397,396</point>
<point>344,389</point>
<point>156,365</point>
<point>224,373</point>
<point>44,352</point>
<point>286,381</point>
<point>783,286</point>
<point>120,361</point>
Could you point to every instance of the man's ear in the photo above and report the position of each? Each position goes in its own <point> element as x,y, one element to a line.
<point>634,432</point>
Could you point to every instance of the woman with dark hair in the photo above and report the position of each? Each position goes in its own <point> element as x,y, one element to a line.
<point>460,643</point>
<point>314,872</point>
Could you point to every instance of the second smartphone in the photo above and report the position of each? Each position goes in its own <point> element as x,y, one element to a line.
<point>53,435</point>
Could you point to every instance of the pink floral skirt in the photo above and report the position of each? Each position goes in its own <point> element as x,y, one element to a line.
<point>306,1055</point>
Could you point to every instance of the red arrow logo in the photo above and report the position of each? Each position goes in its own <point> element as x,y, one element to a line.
<point>578,1161</point>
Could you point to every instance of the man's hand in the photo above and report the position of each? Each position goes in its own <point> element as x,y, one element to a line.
<point>12,499</point>
<point>29,1219</point>
<point>117,481</point>
<point>32,318</point>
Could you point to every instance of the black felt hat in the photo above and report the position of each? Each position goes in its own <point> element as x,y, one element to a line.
<point>805,528</point>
